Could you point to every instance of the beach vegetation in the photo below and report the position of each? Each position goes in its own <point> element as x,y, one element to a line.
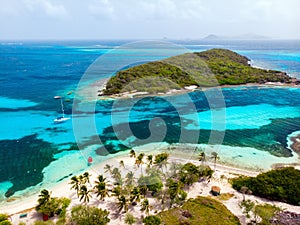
<point>5,222</point>
<point>161,160</point>
<point>22,223</point>
<point>247,206</point>
<point>153,182</point>
<point>44,197</point>
<point>75,182</point>
<point>265,212</point>
<point>215,156</point>
<point>202,157</point>
<point>40,222</point>
<point>84,194</point>
<point>101,187</point>
<point>279,185</point>
<point>130,179</point>
<point>145,206</point>
<point>135,195</point>
<point>152,220</point>
<point>129,219</point>
<point>3,217</point>
<point>139,161</point>
<point>83,215</point>
<point>51,206</point>
<point>122,203</point>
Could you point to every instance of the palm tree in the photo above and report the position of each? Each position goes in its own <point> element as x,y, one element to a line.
<point>135,195</point>
<point>100,187</point>
<point>150,160</point>
<point>84,194</point>
<point>44,197</point>
<point>122,203</point>
<point>130,179</point>
<point>81,179</point>
<point>107,168</point>
<point>75,182</point>
<point>162,197</point>
<point>132,153</point>
<point>145,206</point>
<point>129,219</point>
<point>161,160</point>
<point>202,157</point>
<point>122,164</point>
<point>86,177</point>
<point>139,161</point>
<point>116,175</point>
<point>215,157</point>
<point>244,190</point>
<point>117,191</point>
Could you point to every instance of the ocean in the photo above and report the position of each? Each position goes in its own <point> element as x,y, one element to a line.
<point>249,126</point>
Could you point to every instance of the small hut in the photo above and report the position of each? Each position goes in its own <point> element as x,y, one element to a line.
<point>215,190</point>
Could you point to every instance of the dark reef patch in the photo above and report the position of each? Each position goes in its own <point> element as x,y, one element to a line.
<point>23,160</point>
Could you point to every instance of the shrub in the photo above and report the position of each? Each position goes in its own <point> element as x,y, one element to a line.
<point>5,222</point>
<point>280,185</point>
<point>3,217</point>
<point>39,222</point>
<point>87,215</point>
<point>152,220</point>
<point>129,219</point>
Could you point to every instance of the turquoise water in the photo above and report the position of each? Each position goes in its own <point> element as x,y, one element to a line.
<point>254,126</point>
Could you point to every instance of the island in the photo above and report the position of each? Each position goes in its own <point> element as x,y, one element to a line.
<point>211,68</point>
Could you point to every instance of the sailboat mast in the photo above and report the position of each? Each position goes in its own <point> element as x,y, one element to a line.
<point>62,108</point>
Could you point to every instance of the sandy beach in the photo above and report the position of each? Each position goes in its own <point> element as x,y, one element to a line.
<point>220,178</point>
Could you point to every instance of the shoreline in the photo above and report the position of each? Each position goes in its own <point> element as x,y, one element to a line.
<point>186,90</point>
<point>189,89</point>
<point>63,188</point>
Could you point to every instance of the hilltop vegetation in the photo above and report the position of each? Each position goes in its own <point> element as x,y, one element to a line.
<point>201,210</point>
<point>280,185</point>
<point>209,68</point>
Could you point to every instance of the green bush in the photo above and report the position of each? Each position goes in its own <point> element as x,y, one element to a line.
<point>152,220</point>
<point>5,222</point>
<point>3,217</point>
<point>87,215</point>
<point>129,219</point>
<point>279,185</point>
<point>39,222</point>
<point>22,223</point>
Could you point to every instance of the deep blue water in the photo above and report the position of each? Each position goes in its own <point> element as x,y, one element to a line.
<point>31,73</point>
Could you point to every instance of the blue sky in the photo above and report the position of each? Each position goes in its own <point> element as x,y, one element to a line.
<point>147,19</point>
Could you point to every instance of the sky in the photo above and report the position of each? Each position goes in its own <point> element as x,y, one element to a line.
<point>147,19</point>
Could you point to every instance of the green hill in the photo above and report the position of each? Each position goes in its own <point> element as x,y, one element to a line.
<point>209,68</point>
<point>201,210</point>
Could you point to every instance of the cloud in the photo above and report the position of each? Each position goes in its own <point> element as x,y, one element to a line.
<point>147,9</point>
<point>45,7</point>
<point>149,18</point>
<point>102,8</point>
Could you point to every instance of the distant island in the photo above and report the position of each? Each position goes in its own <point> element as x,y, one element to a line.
<point>248,36</point>
<point>209,68</point>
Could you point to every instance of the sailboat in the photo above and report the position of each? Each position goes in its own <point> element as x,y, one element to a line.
<point>62,118</point>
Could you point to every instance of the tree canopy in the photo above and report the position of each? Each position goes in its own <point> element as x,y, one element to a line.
<point>209,68</point>
<point>280,185</point>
